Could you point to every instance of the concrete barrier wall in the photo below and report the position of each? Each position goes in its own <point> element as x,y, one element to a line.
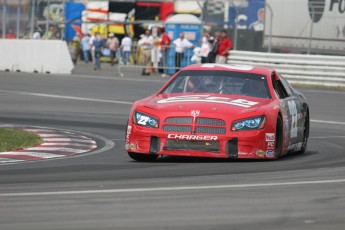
<point>297,68</point>
<point>42,56</point>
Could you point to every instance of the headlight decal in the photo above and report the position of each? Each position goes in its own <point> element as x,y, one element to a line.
<point>249,124</point>
<point>146,120</point>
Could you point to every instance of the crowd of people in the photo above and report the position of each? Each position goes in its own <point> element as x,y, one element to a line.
<point>212,48</point>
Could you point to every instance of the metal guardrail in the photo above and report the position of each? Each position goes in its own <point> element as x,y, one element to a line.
<point>297,68</point>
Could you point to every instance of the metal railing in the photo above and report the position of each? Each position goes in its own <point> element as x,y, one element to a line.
<point>297,68</point>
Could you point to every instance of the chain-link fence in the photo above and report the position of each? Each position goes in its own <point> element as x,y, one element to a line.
<point>32,19</point>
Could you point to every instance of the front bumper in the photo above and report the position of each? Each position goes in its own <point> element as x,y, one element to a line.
<point>244,144</point>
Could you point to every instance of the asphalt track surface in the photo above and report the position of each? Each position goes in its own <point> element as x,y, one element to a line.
<point>107,190</point>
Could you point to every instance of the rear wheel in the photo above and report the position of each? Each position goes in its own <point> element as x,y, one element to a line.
<point>142,157</point>
<point>305,135</point>
<point>279,136</point>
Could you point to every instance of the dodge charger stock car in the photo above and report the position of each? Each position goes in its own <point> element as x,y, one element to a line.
<point>220,111</point>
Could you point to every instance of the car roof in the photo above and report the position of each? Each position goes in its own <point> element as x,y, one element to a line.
<point>231,67</point>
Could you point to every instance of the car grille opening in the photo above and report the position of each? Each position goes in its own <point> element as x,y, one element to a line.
<point>179,120</point>
<point>212,130</point>
<point>210,121</point>
<point>203,125</point>
<point>177,128</point>
<point>212,146</point>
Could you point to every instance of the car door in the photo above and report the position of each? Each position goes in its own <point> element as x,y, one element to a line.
<point>291,107</point>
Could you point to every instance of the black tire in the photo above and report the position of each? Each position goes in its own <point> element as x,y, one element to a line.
<point>305,135</point>
<point>142,157</point>
<point>279,136</point>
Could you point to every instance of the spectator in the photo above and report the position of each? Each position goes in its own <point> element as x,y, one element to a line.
<point>225,44</point>
<point>75,48</point>
<point>146,43</point>
<point>51,33</point>
<point>98,44</point>
<point>181,44</point>
<point>126,46</point>
<point>205,47</point>
<point>27,34</point>
<point>112,44</point>
<point>85,46</point>
<point>11,34</point>
<point>92,48</point>
<point>36,35</point>
<point>214,41</point>
<point>165,47</point>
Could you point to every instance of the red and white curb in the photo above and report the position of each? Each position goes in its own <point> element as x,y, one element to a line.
<point>56,144</point>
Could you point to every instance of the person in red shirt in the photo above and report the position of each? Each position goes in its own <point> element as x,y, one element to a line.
<point>165,45</point>
<point>225,45</point>
<point>10,34</point>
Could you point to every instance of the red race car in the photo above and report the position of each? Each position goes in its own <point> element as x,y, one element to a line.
<point>220,111</point>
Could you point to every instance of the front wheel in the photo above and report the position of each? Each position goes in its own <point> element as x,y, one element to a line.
<point>142,157</point>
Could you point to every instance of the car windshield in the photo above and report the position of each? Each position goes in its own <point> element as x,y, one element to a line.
<point>219,82</point>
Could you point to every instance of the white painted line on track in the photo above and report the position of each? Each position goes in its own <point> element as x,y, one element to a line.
<point>322,91</point>
<point>40,130</point>
<point>328,122</point>
<point>169,189</point>
<point>33,154</point>
<point>69,144</point>
<point>5,160</point>
<point>72,150</point>
<point>67,97</point>
<point>327,137</point>
<point>50,135</point>
<point>68,140</point>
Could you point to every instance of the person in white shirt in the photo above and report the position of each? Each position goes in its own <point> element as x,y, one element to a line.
<point>92,48</point>
<point>205,47</point>
<point>126,45</point>
<point>181,44</point>
<point>146,44</point>
<point>36,35</point>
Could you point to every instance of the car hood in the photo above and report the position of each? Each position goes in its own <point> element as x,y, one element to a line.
<point>229,104</point>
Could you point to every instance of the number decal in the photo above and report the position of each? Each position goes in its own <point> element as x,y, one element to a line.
<point>293,113</point>
<point>143,120</point>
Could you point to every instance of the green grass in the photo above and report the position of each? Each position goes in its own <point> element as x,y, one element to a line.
<point>16,139</point>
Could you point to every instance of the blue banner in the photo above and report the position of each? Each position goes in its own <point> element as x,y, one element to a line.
<point>73,11</point>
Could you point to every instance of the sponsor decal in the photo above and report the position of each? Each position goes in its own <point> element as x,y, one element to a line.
<point>210,99</point>
<point>293,112</point>
<point>270,145</point>
<point>270,136</point>
<point>193,137</point>
<point>260,153</point>
<point>129,130</point>
<point>298,146</point>
<point>270,154</point>
<point>195,113</point>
